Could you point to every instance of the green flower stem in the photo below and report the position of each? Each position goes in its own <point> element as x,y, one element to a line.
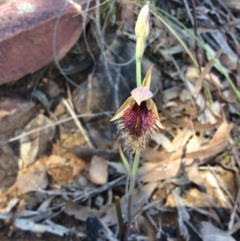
<point>134,170</point>
<point>131,188</point>
<point>138,72</point>
<point>125,162</point>
<point>119,216</point>
<point>139,53</point>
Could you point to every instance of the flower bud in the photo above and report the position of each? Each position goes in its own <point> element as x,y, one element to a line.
<point>139,48</point>
<point>142,24</point>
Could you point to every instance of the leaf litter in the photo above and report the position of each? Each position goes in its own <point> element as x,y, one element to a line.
<point>188,181</point>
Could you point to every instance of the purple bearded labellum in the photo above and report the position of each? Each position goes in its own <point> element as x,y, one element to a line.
<point>138,117</point>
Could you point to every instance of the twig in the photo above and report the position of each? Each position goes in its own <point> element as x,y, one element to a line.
<point>55,54</point>
<point>101,46</point>
<point>77,122</point>
<point>50,125</point>
<point>196,34</point>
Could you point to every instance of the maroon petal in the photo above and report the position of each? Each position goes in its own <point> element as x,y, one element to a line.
<point>138,123</point>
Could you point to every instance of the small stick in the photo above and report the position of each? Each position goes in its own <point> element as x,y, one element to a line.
<point>77,122</point>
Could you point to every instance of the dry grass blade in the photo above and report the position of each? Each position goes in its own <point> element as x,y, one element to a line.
<point>78,124</point>
<point>52,124</point>
<point>183,214</point>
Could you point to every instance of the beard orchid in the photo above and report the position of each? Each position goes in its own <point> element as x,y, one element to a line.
<point>138,117</point>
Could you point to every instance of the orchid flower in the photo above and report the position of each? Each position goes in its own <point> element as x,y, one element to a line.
<point>138,116</point>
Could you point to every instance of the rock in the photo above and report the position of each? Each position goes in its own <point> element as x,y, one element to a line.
<point>98,171</point>
<point>26,34</point>
<point>51,89</point>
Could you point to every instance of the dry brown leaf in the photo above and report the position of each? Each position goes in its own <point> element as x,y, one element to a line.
<point>170,166</point>
<point>32,179</point>
<point>235,4</point>
<point>229,61</point>
<point>34,144</point>
<point>139,197</point>
<point>167,171</point>
<point>204,73</point>
<point>190,170</point>
<point>211,233</point>
<point>171,93</point>
<point>182,122</point>
<point>83,212</point>
<point>183,214</point>
<point>164,141</point>
<point>182,138</point>
<point>229,95</point>
<point>212,80</point>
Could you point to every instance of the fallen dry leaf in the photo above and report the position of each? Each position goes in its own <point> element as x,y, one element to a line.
<point>183,122</point>
<point>182,138</point>
<point>81,212</point>
<point>139,197</point>
<point>204,73</point>
<point>183,214</point>
<point>212,80</point>
<point>32,179</point>
<point>164,141</point>
<point>211,233</point>
<point>169,167</point>
<point>34,144</point>
<point>235,4</point>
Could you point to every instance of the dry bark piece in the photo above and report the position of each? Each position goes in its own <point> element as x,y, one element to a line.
<point>26,35</point>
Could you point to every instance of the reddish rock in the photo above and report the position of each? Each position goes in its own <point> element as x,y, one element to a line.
<point>26,34</point>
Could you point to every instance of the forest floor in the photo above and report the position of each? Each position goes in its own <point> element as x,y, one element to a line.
<point>60,168</point>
